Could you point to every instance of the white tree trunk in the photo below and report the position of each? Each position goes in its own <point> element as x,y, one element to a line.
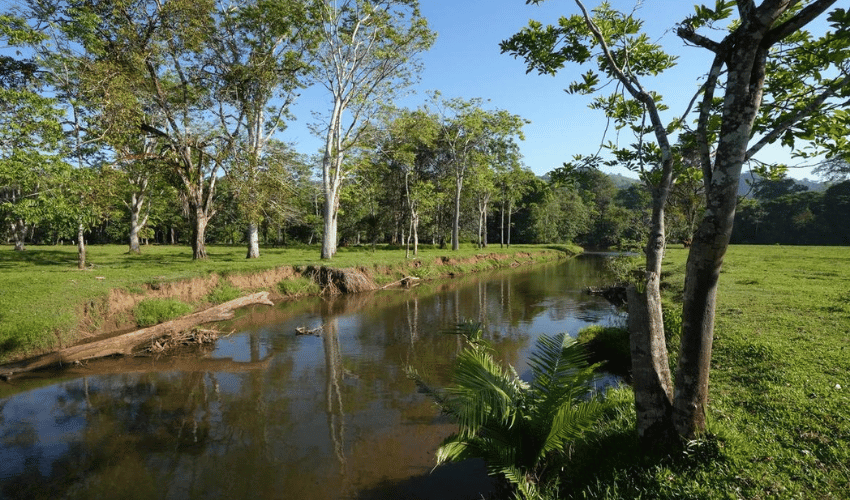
<point>253,241</point>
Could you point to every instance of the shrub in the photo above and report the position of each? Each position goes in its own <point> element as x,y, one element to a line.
<point>520,429</point>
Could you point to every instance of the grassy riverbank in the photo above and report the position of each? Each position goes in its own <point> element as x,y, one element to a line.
<point>779,410</point>
<point>46,303</point>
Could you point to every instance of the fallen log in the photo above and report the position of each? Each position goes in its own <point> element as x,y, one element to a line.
<point>124,344</point>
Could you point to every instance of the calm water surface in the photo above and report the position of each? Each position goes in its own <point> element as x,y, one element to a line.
<point>268,414</point>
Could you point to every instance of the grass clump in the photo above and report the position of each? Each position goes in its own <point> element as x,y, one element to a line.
<point>300,285</point>
<point>223,292</point>
<point>150,312</point>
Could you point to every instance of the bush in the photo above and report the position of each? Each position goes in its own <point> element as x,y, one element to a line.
<point>153,311</point>
<point>522,430</point>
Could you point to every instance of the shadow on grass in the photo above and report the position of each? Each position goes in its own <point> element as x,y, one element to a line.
<point>618,465</point>
<point>37,256</point>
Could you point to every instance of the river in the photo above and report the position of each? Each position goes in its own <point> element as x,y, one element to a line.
<point>268,414</point>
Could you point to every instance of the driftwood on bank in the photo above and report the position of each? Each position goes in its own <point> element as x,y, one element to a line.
<point>126,343</point>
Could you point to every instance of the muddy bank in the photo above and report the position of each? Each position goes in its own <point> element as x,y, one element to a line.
<point>113,314</point>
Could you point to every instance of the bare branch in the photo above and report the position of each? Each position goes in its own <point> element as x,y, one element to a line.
<point>687,33</point>
<point>794,24</point>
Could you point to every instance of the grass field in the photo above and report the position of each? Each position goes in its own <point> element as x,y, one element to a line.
<point>779,409</point>
<point>42,293</point>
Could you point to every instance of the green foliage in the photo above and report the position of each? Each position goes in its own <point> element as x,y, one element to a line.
<point>521,429</point>
<point>153,311</point>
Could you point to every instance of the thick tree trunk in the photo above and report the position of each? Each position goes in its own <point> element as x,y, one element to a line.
<point>745,84</point>
<point>19,233</point>
<point>124,344</point>
<point>253,241</point>
<point>136,221</point>
<point>81,247</point>
<point>703,273</point>
<point>199,228</point>
<point>329,237</point>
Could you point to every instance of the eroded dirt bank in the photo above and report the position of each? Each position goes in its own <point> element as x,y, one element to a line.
<point>112,314</point>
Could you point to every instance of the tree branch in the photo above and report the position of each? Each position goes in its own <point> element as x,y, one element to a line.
<point>687,33</point>
<point>810,108</point>
<point>794,24</point>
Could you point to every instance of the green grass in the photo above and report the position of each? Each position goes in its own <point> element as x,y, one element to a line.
<point>150,312</point>
<point>779,426</point>
<point>298,286</point>
<point>43,295</point>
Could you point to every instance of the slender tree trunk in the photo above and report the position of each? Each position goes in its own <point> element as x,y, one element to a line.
<point>415,235</point>
<point>329,236</point>
<point>653,387</point>
<point>253,241</point>
<point>81,247</point>
<point>510,211</point>
<point>485,228</point>
<point>502,226</point>
<point>137,201</point>
<point>456,218</point>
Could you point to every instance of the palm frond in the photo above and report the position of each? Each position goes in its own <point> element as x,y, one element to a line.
<point>561,374</point>
<point>569,423</point>
<point>482,390</point>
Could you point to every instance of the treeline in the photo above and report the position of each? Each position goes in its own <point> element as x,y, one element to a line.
<point>135,121</point>
<point>785,212</point>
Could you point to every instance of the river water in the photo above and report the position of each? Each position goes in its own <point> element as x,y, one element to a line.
<point>268,414</point>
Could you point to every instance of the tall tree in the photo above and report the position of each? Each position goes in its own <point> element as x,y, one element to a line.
<point>471,137</point>
<point>512,185</point>
<point>260,57</point>
<point>406,143</point>
<point>776,74</point>
<point>31,140</point>
<point>155,49</point>
<point>367,54</point>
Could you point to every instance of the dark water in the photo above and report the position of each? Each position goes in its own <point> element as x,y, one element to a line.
<point>268,414</point>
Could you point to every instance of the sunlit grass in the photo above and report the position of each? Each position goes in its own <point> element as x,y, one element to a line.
<point>779,396</point>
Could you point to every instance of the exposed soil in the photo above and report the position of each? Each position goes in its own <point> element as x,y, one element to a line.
<point>114,313</point>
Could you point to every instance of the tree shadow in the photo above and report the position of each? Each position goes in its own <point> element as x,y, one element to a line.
<point>456,481</point>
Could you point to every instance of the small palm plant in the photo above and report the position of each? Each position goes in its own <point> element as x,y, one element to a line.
<point>520,429</point>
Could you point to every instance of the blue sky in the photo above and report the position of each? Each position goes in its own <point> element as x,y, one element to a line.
<point>466,62</point>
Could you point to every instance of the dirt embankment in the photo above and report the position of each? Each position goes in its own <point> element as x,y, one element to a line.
<point>114,312</point>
